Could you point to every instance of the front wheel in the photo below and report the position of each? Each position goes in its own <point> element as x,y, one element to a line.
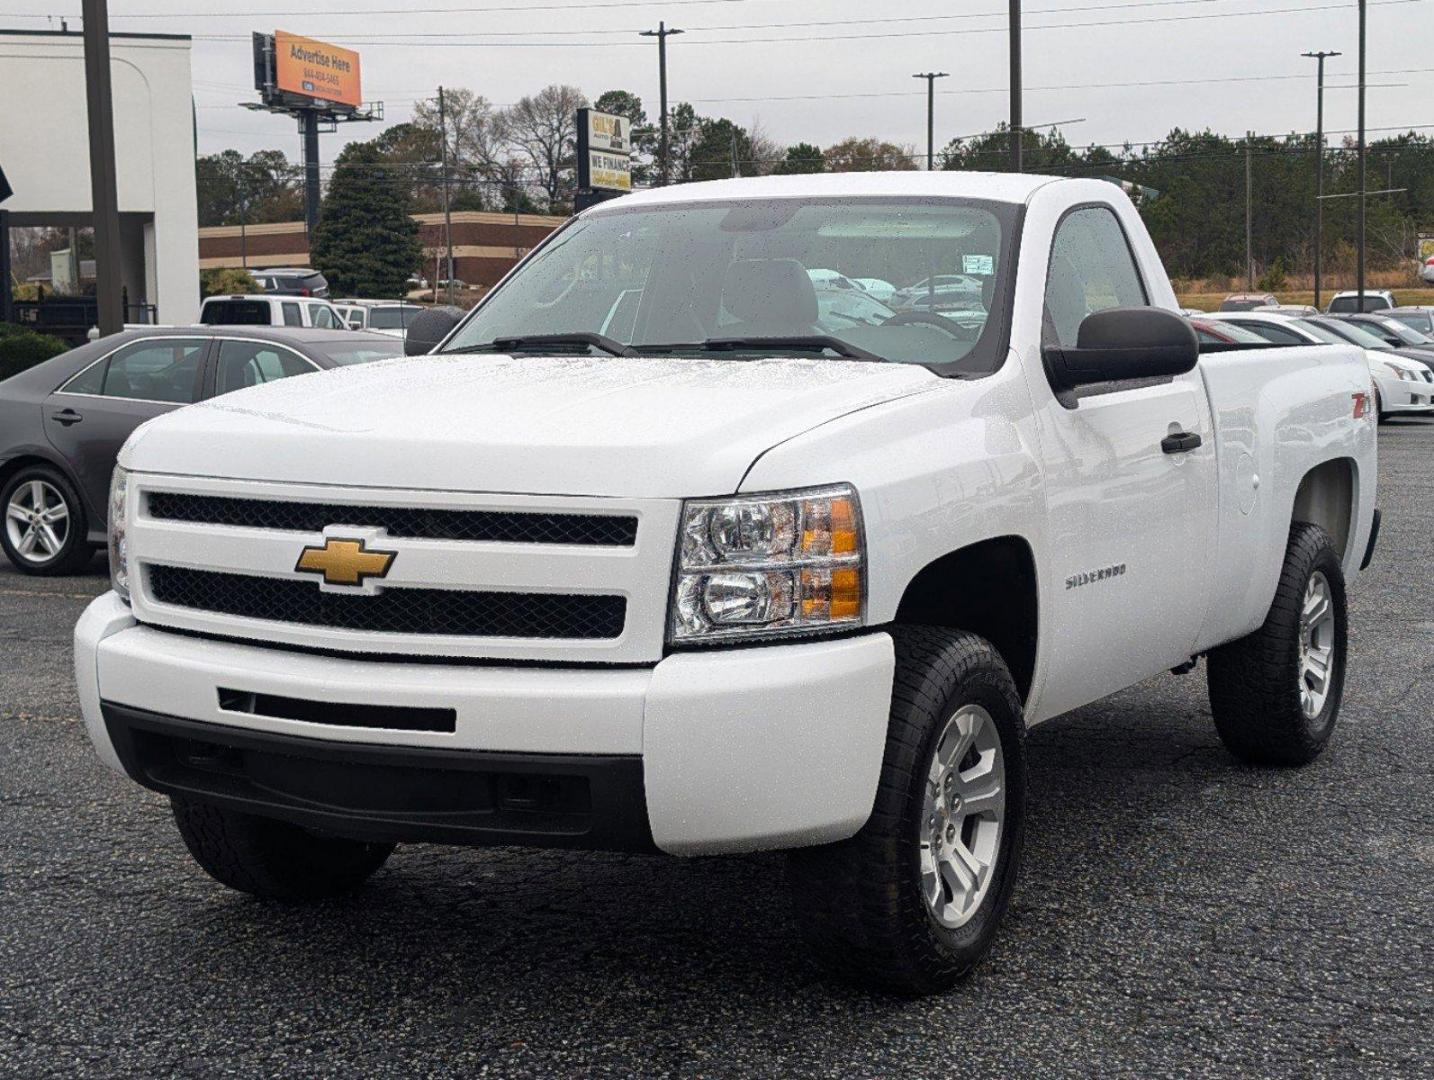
<point>913,900</point>
<point>1275,694</point>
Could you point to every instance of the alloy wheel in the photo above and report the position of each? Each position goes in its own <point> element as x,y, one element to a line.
<point>1316,655</point>
<point>37,521</point>
<point>962,816</point>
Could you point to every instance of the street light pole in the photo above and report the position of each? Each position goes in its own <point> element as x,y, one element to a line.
<point>930,77</point>
<point>1249,211</point>
<point>1016,129</point>
<point>104,192</point>
<point>1319,169</point>
<point>1359,255</point>
<point>662,33</point>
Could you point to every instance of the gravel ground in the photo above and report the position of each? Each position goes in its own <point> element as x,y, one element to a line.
<point>1179,914</point>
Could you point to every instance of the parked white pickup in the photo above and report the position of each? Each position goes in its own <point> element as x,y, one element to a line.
<point>656,551</point>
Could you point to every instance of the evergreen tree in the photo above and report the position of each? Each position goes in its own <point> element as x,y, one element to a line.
<point>801,158</point>
<point>366,242</point>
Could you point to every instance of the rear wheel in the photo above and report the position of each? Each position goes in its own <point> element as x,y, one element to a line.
<point>1275,694</point>
<point>273,859</point>
<point>44,532</point>
<point>913,900</point>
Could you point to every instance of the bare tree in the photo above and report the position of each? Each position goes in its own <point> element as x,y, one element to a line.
<point>766,152</point>
<point>544,128</point>
<point>477,134</point>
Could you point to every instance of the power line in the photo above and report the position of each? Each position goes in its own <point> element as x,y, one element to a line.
<point>444,40</point>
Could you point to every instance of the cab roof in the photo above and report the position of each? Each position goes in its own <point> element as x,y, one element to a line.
<point>996,187</point>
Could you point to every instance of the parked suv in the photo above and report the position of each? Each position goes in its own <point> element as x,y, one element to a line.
<point>1374,300</point>
<point>270,311</point>
<point>295,281</point>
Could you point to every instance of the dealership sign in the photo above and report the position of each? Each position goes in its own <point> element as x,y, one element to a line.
<point>604,151</point>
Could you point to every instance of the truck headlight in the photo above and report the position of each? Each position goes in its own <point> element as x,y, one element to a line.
<point>119,551</point>
<point>764,565</point>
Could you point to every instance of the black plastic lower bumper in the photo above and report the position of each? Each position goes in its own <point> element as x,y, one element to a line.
<point>400,794</point>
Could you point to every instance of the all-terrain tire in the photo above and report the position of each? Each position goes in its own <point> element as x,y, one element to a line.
<point>273,859</point>
<point>1255,682</point>
<point>859,902</point>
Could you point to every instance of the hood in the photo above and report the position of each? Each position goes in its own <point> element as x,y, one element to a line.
<point>609,426</point>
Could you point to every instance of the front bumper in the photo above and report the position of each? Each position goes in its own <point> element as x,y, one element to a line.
<point>728,750</point>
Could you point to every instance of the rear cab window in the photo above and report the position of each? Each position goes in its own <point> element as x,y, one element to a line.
<point>235,313</point>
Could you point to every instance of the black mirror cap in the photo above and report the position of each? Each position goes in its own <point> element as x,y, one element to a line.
<point>429,327</point>
<point>1125,343</point>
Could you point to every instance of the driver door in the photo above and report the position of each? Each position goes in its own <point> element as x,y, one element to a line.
<point>1131,526</point>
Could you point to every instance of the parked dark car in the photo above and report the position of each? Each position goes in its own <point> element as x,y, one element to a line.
<point>1367,338</point>
<point>62,422</point>
<point>1394,332</point>
<point>292,281</point>
<point>1421,318</point>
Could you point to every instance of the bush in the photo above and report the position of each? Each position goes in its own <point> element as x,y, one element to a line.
<point>1273,279</point>
<point>227,281</point>
<point>21,349</point>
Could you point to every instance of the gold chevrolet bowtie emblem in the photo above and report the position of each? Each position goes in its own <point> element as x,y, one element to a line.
<point>345,562</point>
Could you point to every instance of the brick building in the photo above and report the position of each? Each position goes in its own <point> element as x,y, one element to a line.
<point>485,245</point>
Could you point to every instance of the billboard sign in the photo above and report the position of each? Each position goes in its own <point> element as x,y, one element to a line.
<point>316,69</point>
<point>1426,247</point>
<point>604,151</point>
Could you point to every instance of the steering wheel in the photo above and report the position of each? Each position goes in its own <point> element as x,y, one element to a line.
<point>956,330</point>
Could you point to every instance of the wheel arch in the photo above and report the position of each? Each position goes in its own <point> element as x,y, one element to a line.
<point>1327,496</point>
<point>988,588</point>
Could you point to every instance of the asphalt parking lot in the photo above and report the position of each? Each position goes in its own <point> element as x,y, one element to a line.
<point>1179,914</point>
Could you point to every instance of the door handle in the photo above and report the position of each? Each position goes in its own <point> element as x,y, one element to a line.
<point>66,417</point>
<point>1182,442</point>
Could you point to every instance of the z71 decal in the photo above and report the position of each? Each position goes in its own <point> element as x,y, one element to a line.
<point>1075,581</point>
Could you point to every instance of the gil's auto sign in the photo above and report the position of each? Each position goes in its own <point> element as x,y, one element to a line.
<point>604,151</point>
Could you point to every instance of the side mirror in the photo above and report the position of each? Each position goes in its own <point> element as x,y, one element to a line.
<point>430,327</point>
<point>1124,343</point>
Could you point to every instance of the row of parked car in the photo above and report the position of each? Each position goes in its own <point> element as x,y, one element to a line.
<point>1400,357</point>
<point>1341,303</point>
<point>299,296</point>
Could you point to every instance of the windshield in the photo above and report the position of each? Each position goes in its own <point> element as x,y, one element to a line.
<point>1407,334</point>
<point>1346,304</point>
<point>1355,335</point>
<point>391,318</point>
<point>766,277</point>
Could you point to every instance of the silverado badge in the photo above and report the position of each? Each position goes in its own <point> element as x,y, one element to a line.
<point>345,562</point>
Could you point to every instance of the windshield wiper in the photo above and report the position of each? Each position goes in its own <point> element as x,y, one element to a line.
<point>799,342</point>
<point>531,341</point>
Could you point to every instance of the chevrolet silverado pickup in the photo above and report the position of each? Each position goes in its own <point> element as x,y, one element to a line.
<point>662,548</point>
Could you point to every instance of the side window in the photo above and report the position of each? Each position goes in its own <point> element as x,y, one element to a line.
<point>89,381</point>
<point>292,315</point>
<point>249,363</point>
<point>1091,269</point>
<point>322,317</point>
<point>1276,335</point>
<point>166,369</point>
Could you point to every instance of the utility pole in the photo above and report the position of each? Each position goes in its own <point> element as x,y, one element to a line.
<point>447,213</point>
<point>1249,210</point>
<point>1016,128</point>
<point>662,33</point>
<point>930,77</point>
<point>1319,169</point>
<point>1359,254</point>
<point>104,194</point>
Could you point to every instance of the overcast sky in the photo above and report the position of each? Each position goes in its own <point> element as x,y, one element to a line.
<point>803,84</point>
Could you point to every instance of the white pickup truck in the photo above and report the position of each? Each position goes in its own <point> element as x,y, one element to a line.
<point>662,550</point>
